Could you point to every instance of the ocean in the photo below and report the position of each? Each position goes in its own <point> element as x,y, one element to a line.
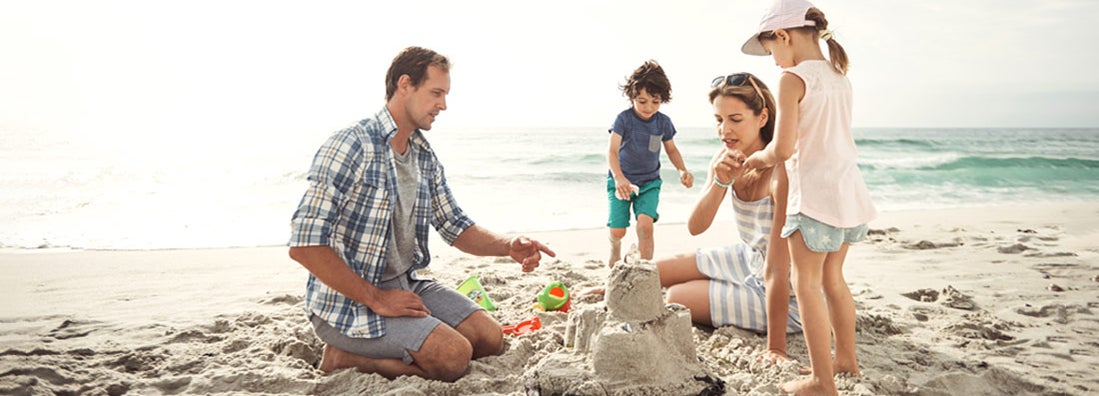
<point>86,194</point>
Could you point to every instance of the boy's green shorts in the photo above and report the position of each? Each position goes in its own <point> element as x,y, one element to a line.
<point>644,201</point>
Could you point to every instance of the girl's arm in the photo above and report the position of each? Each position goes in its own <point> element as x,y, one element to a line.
<point>685,176</point>
<point>776,272</point>
<point>621,183</point>
<point>706,208</point>
<point>790,91</point>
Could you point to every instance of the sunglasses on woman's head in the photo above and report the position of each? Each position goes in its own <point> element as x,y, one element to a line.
<point>736,79</point>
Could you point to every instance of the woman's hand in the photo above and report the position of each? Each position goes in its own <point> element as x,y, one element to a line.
<point>727,165</point>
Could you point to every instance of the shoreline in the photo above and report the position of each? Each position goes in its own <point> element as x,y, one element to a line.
<point>891,215</point>
<point>955,301</point>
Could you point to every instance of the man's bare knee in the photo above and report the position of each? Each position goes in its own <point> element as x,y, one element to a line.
<point>445,354</point>
<point>450,367</point>
<point>492,343</point>
<point>484,333</point>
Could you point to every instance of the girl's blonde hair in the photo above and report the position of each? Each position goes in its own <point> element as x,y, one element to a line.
<point>836,54</point>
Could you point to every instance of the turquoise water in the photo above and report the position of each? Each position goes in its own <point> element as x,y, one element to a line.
<point>559,172</point>
<point>64,194</point>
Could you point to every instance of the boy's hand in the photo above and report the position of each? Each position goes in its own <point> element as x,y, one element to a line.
<point>623,189</point>
<point>686,178</point>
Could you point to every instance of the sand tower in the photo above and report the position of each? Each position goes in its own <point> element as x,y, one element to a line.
<point>632,344</point>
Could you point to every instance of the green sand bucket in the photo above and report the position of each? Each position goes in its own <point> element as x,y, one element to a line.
<point>555,297</point>
<point>471,288</point>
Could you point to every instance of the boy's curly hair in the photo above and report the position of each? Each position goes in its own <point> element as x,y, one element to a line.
<point>650,77</point>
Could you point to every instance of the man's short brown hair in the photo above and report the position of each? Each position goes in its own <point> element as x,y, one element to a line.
<point>412,61</point>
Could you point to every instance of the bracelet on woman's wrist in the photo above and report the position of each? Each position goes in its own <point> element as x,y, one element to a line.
<point>719,183</point>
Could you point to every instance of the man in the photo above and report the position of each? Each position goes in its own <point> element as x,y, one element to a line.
<point>361,231</point>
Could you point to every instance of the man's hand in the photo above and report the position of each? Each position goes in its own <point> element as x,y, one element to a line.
<point>528,252</point>
<point>392,303</point>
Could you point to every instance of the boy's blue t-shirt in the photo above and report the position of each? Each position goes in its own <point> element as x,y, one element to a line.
<point>639,154</point>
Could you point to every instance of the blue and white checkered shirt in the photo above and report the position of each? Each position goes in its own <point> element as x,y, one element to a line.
<point>349,206</point>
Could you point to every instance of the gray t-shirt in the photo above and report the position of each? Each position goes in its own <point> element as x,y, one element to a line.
<point>403,245</point>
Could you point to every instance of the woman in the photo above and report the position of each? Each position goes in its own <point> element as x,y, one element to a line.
<point>747,282</point>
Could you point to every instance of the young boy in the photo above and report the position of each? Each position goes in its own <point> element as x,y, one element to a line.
<point>634,158</point>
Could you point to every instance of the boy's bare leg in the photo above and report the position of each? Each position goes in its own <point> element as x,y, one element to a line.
<point>645,243</point>
<point>616,245</point>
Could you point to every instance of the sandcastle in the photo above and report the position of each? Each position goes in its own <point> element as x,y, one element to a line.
<point>632,344</point>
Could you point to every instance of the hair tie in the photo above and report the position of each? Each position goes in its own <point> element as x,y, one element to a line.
<point>825,34</point>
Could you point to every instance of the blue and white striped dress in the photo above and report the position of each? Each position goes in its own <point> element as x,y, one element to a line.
<point>737,294</point>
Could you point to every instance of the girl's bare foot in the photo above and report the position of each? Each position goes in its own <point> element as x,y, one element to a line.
<point>809,386</point>
<point>840,367</point>
<point>837,368</point>
<point>776,357</point>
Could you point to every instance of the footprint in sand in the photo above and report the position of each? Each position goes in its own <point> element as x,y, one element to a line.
<point>923,295</point>
<point>71,329</point>
<point>924,313</point>
<point>1013,249</point>
<point>1056,254</point>
<point>958,300</point>
<point>1061,312</point>
<point>927,245</point>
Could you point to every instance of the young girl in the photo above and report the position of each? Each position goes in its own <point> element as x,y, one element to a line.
<point>746,283</point>
<point>828,204</point>
<point>634,158</point>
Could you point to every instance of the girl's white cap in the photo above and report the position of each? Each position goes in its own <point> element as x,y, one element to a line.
<point>782,14</point>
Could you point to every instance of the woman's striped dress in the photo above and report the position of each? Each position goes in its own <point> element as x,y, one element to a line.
<point>737,295</point>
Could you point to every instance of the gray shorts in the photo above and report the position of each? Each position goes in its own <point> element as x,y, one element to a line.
<point>403,334</point>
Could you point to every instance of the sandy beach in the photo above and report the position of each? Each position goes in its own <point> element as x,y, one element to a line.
<point>976,301</point>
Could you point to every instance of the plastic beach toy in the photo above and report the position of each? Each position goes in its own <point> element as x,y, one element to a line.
<point>471,288</point>
<point>554,297</point>
<point>523,327</point>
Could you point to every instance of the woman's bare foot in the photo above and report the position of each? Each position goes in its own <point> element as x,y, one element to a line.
<point>809,386</point>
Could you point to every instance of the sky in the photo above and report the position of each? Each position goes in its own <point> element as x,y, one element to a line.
<point>204,70</point>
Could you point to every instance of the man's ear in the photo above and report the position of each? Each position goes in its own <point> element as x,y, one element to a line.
<point>404,82</point>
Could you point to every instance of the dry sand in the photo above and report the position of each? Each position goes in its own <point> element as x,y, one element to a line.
<point>981,301</point>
